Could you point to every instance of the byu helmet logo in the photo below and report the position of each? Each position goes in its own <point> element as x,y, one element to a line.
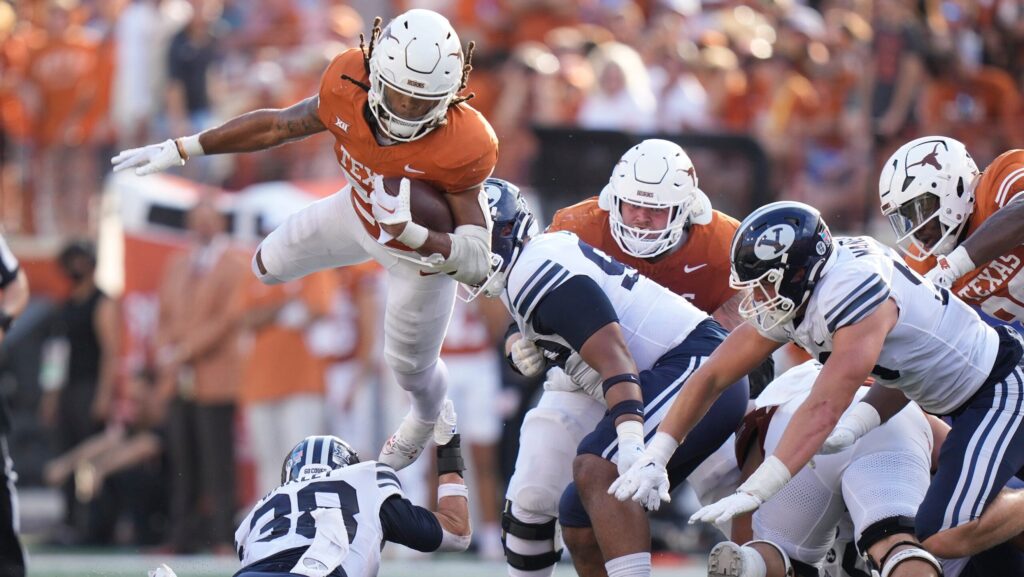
<point>774,242</point>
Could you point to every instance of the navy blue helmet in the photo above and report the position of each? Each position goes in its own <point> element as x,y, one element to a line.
<point>317,454</point>
<point>779,254</point>
<point>512,223</point>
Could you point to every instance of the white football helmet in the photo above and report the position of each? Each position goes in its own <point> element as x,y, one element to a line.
<point>655,174</point>
<point>928,180</point>
<point>415,73</point>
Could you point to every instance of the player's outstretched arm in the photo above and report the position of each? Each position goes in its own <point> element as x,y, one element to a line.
<point>855,351</point>
<point>256,130</point>
<point>452,497</point>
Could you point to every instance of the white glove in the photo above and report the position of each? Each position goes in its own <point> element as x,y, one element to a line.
<point>528,358</point>
<point>646,481</point>
<point>149,159</point>
<point>951,267</point>
<point>861,419</point>
<point>723,510</point>
<point>162,571</point>
<point>389,209</point>
<point>631,444</point>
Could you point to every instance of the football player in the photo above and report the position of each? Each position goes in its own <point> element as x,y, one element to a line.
<point>958,227</point>
<point>652,217</point>
<point>394,110</point>
<point>854,305</point>
<point>14,295</point>
<point>334,512</point>
<point>626,341</point>
<point>880,481</point>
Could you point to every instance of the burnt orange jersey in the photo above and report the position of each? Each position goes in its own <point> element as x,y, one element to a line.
<point>456,156</point>
<point>698,270</point>
<point>997,287</point>
<point>62,71</point>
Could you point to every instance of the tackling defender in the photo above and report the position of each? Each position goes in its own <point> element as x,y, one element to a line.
<point>652,217</point>
<point>332,514</point>
<point>854,305</point>
<point>624,339</point>
<point>393,110</point>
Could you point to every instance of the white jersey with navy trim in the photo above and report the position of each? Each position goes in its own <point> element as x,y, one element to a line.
<point>282,520</point>
<point>653,319</point>
<point>939,352</point>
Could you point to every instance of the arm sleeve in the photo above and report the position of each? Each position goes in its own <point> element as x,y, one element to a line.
<point>574,311</point>
<point>410,525</point>
<point>9,265</point>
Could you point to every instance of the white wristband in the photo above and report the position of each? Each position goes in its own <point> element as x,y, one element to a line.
<point>452,490</point>
<point>960,262</point>
<point>630,432</point>
<point>413,235</point>
<point>191,145</point>
<point>767,480</point>
<point>662,447</point>
<point>861,419</point>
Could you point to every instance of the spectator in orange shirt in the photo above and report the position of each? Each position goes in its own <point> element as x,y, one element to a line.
<point>282,390</point>
<point>59,93</point>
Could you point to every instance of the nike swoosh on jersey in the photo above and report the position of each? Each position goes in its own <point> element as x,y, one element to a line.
<point>687,268</point>
<point>409,168</point>
<point>424,273</point>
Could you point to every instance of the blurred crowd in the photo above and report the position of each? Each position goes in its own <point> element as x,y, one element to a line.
<point>825,87</point>
<point>240,371</point>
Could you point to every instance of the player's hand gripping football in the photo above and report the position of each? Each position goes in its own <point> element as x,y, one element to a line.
<point>527,357</point>
<point>149,159</point>
<point>948,269</point>
<point>392,213</point>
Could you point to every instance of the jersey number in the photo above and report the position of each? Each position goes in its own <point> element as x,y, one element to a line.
<point>281,504</point>
<point>610,266</point>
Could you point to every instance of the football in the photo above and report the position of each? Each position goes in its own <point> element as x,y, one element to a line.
<point>428,205</point>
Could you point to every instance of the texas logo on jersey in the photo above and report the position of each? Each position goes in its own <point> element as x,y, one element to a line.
<point>997,287</point>
<point>699,270</point>
<point>454,157</point>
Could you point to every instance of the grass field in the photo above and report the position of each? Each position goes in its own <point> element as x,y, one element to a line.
<point>50,564</point>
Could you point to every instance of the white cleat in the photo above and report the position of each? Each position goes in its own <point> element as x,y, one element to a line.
<point>726,560</point>
<point>413,434</point>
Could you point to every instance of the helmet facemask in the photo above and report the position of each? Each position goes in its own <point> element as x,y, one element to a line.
<point>919,224</point>
<point>648,243</point>
<point>426,111</point>
<point>512,225</point>
<point>763,301</point>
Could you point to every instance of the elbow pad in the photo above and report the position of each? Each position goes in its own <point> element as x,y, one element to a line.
<point>470,259</point>
<point>451,542</point>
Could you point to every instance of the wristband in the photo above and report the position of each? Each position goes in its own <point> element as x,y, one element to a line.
<point>188,146</point>
<point>960,262</point>
<point>452,490</point>
<point>630,407</point>
<point>767,480</point>
<point>631,430</point>
<point>413,235</point>
<point>449,457</point>
<point>662,447</point>
<point>623,378</point>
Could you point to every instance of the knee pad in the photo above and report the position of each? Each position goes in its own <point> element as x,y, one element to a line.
<point>881,529</point>
<point>892,560</point>
<point>541,543</point>
<point>259,269</point>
